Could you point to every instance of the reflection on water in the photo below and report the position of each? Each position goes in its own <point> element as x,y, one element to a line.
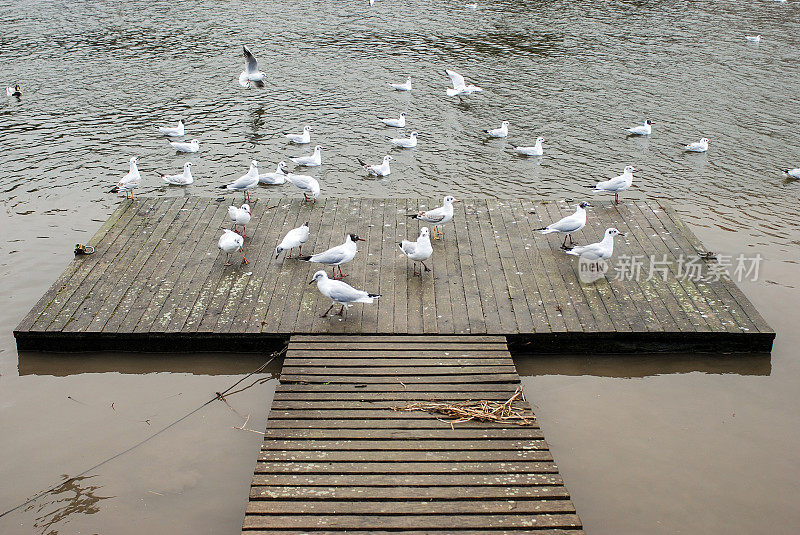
<point>75,496</point>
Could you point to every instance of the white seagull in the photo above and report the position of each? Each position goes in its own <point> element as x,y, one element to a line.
<point>644,130</point>
<point>499,132</point>
<point>16,91</point>
<point>459,85</point>
<point>794,173</point>
<point>182,146</point>
<point>568,225</point>
<point>305,183</point>
<point>437,216</point>
<point>600,250</point>
<point>404,142</point>
<point>378,170</point>
<point>230,242</point>
<point>240,216</point>
<point>753,38</point>
<point>617,184</point>
<point>300,139</point>
<point>278,177</point>
<point>536,150</point>
<point>697,146</point>
<point>336,256</point>
<point>294,238</point>
<point>183,179</point>
<point>315,160</point>
<point>340,292</point>
<point>400,122</point>
<point>172,131</point>
<point>129,181</point>
<point>246,182</point>
<point>251,72</point>
<point>419,250</point>
<point>406,86</point>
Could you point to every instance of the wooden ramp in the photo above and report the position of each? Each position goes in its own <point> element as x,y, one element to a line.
<point>337,457</point>
<point>158,282</point>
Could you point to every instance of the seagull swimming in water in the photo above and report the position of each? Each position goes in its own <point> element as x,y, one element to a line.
<point>437,216</point>
<point>246,182</point>
<point>16,91</point>
<point>617,184</point>
<point>183,179</point>
<point>305,183</point>
<point>405,86</point>
<point>753,38</point>
<point>378,170</point>
<point>400,122</point>
<point>336,256</point>
<point>568,225</point>
<point>499,132</point>
<point>697,146</point>
<point>459,85</point>
<point>251,74</point>
<point>294,238</point>
<point>278,177</point>
<point>644,130</point>
<point>230,242</point>
<point>340,292</point>
<point>404,142</point>
<point>419,250</point>
<point>173,131</point>
<point>315,160</point>
<point>794,173</point>
<point>299,139</point>
<point>181,146</point>
<point>240,216</point>
<point>535,150</point>
<point>129,181</point>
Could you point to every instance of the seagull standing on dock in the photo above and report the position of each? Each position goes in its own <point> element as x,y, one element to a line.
<point>230,242</point>
<point>251,74</point>
<point>568,225</point>
<point>404,142</point>
<point>400,122</point>
<point>381,169</point>
<point>499,132</point>
<point>305,183</point>
<point>294,238</point>
<point>245,183</point>
<point>183,179</point>
<point>278,177</point>
<point>182,146</point>
<point>129,181</point>
<point>617,184</point>
<point>340,292</point>
<point>597,251</point>
<point>535,150</point>
<point>644,130</point>
<point>173,131</point>
<point>405,86</point>
<point>240,216</point>
<point>697,146</point>
<point>459,85</point>
<point>437,216</point>
<point>299,139</point>
<point>315,160</point>
<point>418,251</point>
<point>336,256</point>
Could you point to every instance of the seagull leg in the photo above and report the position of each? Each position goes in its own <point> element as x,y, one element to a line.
<point>244,259</point>
<point>227,259</point>
<point>301,248</point>
<point>341,311</point>
<point>564,244</point>
<point>244,231</point>
<point>571,241</point>
<point>415,269</point>
<point>326,312</point>
<point>616,198</point>
<point>426,268</point>
<point>341,275</point>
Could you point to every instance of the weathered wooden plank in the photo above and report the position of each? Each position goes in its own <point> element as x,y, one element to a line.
<point>371,413</point>
<point>393,434</point>
<point>465,266</point>
<point>396,387</point>
<point>409,480</point>
<point>534,506</point>
<point>333,344</point>
<point>411,521</point>
<point>385,305</point>
<point>423,457</point>
<point>373,362</point>
<point>402,308</point>
<point>332,233</point>
<point>450,340</point>
<point>395,354</point>
<point>374,265</point>
<point>496,310</point>
<point>398,371</point>
<point>388,422</point>
<point>407,379</point>
<point>404,445</point>
<point>359,214</point>
<point>370,397</point>
<point>381,467</point>
<point>495,267</point>
<point>367,404</point>
<point>362,493</point>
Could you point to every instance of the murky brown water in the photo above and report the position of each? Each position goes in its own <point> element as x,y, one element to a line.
<point>673,444</point>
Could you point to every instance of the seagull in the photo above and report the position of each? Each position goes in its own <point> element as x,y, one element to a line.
<point>246,182</point>
<point>437,216</point>
<point>536,150</point>
<point>404,142</point>
<point>172,131</point>
<point>306,183</point>
<point>230,242</point>
<point>617,184</point>
<point>398,123</point>
<point>240,216</point>
<point>753,38</point>
<point>499,132</point>
<point>597,251</point>
<point>794,173</point>
<point>406,86</point>
<point>568,225</point>
<point>129,181</point>
<point>278,177</point>
<point>183,179</point>
<point>299,139</point>
<point>340,292</point>
<point>697,146</point>
<point>315,160</point>
<point>378,170</point>
<point>251,72</point>
<point>180,146</point>
<point>335,256</point>
<point>16,91</point>
<point>294,238</point>
<point>459,86</point>
<point>418,251</point>
<point>645,130</point>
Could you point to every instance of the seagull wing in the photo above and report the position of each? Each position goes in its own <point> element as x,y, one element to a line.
<point>570,223</point>
<point>408,247</point>
<point>457,79</point>
<point>334,255</point>
<point>250,62</point>
<point>341,292</point>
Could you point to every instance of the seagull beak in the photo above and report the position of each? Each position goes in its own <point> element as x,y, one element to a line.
<point>621,234</point>
<point>311,281</point>
<point>457,200</point>
<point>361,239</point>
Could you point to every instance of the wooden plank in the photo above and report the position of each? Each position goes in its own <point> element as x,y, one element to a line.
<point>362,278</point>
<point>372,413</point>
<point>375,362</point>
<point>488,299</point>
<point>404,445</point>
<point>465,265</point>
<point>381,467</point>
<point>388,422</point>
<point>367,338</point>
<point>408,480</point>
<point>395,354</point>
<point>469,494</point>
<point>475,378</point>
<point>495,267</point>
<point>534,506</point>
<point>385,308</point>
<point>398,371</point>
<point>370,397</point>
<point>331,234</point>
<point>510,388</point>
<point>370,404</point>
<point>334,344</point>
<point>374,522</point>
<point>423,457</point>
<point>372,282</point>
<point>355,270</point>
<point>401,305</point>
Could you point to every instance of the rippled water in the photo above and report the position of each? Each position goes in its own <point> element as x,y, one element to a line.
<point>99,76</point>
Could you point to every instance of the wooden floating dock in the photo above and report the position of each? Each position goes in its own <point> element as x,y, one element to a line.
<point>157,281</point>
<point>337,457</point>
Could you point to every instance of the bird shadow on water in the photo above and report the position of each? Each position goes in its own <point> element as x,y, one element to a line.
<point>75,495</point>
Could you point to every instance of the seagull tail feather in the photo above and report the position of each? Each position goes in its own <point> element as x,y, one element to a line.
<point>374,296</point>
<point>223,187</point>
<point>115,189</point>
<point>413,216</point>
<point>304,258</point>
<point>362,162</point>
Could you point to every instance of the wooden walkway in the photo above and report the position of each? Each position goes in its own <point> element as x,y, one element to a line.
<point>157,280</point>
<point>338,458</point>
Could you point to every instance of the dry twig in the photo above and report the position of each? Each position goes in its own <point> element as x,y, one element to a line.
<point>481,410</point>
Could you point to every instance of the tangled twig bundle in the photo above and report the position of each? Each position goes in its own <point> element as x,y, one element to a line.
<point>482,410</point>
